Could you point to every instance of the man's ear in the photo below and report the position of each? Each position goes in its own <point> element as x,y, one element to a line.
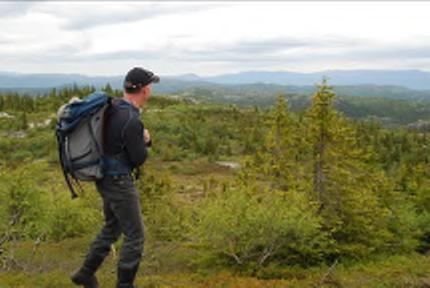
<point>146,91</point>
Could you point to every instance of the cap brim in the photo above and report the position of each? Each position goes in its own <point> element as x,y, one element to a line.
<point>155,79</point>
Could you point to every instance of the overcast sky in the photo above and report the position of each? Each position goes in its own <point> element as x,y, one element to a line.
<point>207,38</point>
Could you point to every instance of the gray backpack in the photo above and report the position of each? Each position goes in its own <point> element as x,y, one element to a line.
<point>79,134</point>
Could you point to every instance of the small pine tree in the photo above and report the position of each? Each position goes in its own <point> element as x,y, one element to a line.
<point>23,121</point>
<point>108,89</point>
<point>345,183</point>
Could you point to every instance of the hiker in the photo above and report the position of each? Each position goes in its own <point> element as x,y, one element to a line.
<point>126,140</point>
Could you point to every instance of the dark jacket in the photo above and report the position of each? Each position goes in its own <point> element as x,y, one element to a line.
<point>123,135</point>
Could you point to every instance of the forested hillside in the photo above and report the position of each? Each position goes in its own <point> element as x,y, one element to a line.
<point>316,191</point>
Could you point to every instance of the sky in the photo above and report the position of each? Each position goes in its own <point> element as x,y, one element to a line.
<point>211,38</point>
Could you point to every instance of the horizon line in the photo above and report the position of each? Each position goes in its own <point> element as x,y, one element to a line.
<point>215,75</point>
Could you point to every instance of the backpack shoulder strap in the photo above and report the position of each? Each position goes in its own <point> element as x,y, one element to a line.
<point>65,173</point>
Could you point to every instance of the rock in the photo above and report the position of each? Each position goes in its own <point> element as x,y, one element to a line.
<point>14,134</point>
<point>425,282</point>
<point>6,115</point>
<point>45,123</point>
<point>232,165</point>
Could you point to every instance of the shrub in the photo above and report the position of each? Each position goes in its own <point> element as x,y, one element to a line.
<point>70,218</point>
<point>22,204</point>
<point>249,228</point>
<point>30,211</point>
<point>164,218</point>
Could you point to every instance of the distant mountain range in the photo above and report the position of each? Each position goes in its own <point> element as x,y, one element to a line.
<point>399,84</point>
<point>413,79</point>
<point>389,97</point>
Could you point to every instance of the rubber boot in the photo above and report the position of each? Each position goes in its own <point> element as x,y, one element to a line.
<point>84,276</point>
<point>80,277</point>
<point>126,278</point>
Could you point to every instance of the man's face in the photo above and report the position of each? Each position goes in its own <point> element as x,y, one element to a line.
<point>145,93</point>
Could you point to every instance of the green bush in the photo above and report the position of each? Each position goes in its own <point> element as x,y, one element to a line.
<point>249,228</point>
<point>30,211</point>
<point>70,218</point>
<point>164,218</point>
<point>22,204</point>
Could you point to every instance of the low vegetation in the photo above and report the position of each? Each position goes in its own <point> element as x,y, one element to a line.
<point>316,199</point>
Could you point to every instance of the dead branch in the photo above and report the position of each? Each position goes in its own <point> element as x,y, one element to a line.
<point>328,273</point>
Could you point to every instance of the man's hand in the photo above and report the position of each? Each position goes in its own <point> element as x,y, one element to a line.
<point>147,137</point>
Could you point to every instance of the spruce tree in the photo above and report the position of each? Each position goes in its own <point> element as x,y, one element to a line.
<point>345,184</point>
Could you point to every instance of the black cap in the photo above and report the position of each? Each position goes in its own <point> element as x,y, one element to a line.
<point>139,77</point>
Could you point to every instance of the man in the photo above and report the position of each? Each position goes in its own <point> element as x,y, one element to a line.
<point>126,143</point>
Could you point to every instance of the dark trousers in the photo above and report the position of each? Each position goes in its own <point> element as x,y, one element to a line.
<point>122,212</point>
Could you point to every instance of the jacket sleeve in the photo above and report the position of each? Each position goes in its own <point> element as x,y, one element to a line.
<point>134,143</point>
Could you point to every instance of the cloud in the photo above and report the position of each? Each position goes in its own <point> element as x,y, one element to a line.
<point>122,55</point>
<point>268,46</point>
<point>82,16</point>
<point>396,52</point>
<point>14,9</point>
<point>269,50</point>
<point>282,44</point>
<point>210,38</point>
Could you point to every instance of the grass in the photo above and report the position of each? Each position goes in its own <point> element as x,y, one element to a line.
<point>171,265</point>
